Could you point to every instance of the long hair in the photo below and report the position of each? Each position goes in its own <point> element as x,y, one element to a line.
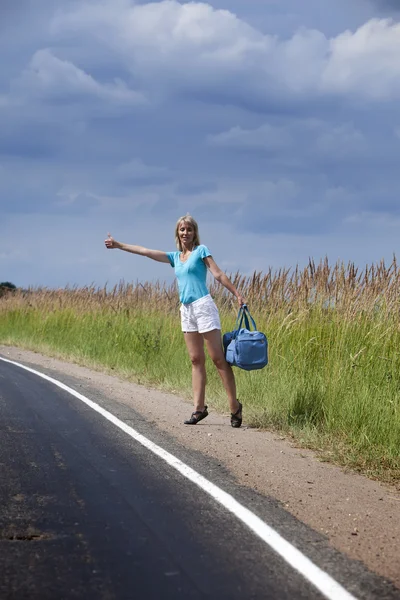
<point>190,221</point>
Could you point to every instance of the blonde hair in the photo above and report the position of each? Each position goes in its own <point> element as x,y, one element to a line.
<point>190,221</point>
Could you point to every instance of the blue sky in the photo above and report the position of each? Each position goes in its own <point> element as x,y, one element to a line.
<point>275,123</point>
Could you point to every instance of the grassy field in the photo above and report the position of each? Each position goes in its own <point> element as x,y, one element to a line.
<point>333,382</point>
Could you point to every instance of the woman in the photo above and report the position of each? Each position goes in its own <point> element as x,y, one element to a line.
<point>199,314</point>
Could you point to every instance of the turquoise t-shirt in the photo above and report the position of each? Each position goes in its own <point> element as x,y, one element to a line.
<point>191,275</point>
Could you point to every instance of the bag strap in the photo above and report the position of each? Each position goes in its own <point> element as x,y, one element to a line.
<point>239,321</point>
<point>244,315</point>
<point>248,316</point>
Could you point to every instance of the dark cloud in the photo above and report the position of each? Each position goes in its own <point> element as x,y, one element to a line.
<point>72,151</point>
<point>11,11</point>
<point>387,4</point>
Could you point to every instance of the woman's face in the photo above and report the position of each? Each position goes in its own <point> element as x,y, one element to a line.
<point>186,233</point>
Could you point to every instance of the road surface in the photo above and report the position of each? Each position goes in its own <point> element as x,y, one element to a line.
<point>88,512</point>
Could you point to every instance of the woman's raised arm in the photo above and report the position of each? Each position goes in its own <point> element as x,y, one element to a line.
<point>157,255</point>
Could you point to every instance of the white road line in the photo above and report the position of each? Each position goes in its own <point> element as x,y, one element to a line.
<point>330,588</point>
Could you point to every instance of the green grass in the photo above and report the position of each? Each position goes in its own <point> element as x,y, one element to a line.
<point>333,383</point>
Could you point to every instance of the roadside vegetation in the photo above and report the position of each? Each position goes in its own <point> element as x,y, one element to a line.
<point>6,287</point>
<point>333,382</point>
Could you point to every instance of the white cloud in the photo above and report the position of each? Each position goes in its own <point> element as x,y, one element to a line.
<point>125,204</point>
<point>173,47</point>
<point>50,77</point>
<point>68,196</point>
<point>137,169</point>
<point>265,137</point>
<point>276,196</point>
<point>304,137</point>
<point>372,220</point>
<point>366,62</point>
<point>344,139</point>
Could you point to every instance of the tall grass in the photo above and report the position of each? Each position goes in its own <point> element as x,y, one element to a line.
<point>333,381</point>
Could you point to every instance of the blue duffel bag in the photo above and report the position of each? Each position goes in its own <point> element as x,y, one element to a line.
<point>246,348</point>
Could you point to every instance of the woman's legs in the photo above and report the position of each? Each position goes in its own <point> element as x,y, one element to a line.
<point>195,346</point>
<point>215,350</point>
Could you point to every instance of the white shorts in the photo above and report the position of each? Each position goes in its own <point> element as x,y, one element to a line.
<point>201,315</point>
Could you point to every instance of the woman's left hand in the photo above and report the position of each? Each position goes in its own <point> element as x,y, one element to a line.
<point>241,300</point>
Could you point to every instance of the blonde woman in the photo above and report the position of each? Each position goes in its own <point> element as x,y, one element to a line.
<point>199,314</point>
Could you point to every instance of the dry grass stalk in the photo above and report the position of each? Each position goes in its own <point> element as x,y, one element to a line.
<point>345,288</point>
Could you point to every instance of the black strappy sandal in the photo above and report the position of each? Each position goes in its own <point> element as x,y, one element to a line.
<point>236,418</point>
<point>197,416</point>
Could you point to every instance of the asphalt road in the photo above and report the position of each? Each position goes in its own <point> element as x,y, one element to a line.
<point>88,512</point>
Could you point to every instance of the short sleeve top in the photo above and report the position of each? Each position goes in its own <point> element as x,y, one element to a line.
<point>191,274</point>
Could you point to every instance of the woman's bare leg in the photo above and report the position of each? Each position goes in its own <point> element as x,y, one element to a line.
<point>195,346</point>
<point>215,350</point>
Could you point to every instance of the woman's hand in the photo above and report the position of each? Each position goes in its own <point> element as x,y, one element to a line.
<point>241,300</point>
<point>110,242</point>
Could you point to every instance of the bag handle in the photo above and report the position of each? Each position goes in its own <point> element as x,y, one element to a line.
<point>247,314</point>
<point>239,320</point>
<point>244,314</point>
